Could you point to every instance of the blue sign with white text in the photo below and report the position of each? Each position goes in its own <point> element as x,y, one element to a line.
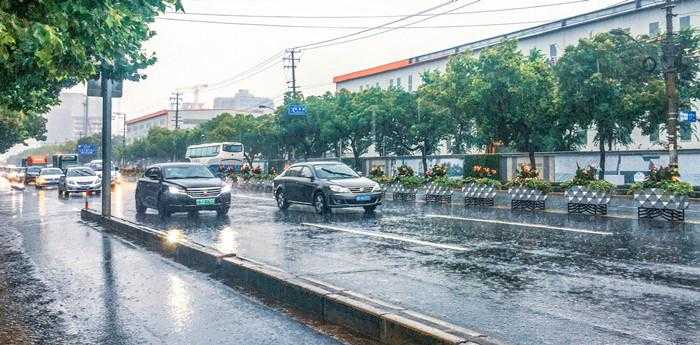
<point>687,116</point>
<point>296,110</point>
<point>87,149</point>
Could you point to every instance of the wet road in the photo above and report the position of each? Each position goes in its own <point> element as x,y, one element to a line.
<point>555,280</point>
<point>79,286</point>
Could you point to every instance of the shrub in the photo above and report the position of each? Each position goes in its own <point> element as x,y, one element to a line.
<point>404,170</point>
<point>479,171</point>
<point>485,161</point>
<point>411,181</point>
<point>383,179</point>
<point>528,177</point>
<point>526,171</point>
<point>484,181</point>
<point>445,181</point>
<point>587,177</point>
<point>665,178</point>
<point>436,171</point>
<point>376,172</point>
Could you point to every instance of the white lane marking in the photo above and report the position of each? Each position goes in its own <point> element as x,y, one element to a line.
<point>252,197</point>
<point>539,226</point>
<point>390,237</point>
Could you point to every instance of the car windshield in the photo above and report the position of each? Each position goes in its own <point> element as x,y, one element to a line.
<point>186,171</point>
<point>33,170</point>
<point>80,172</point>
<point>51,171</point>
<point>334,171</point>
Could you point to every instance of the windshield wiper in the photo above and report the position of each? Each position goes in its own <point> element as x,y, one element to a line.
<point>337,172</point>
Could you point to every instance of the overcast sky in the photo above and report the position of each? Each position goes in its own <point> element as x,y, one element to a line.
<point>196,53</point>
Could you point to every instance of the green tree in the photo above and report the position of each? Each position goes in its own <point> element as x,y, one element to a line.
<point>351,122</point>
<point>259,135</point>
<point>303,135</point>
<point>16,127</point>
<point>601,81</point>
<point>517,97</point>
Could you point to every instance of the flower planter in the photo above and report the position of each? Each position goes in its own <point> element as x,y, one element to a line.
<point>437,194</point>
<point>405,194</point>
<point>583,200</point>
<point>479,195</point>
<point>522,198</point>
<point>656,202</point>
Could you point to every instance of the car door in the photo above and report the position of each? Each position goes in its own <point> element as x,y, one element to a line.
<point>150,187</point>
<point>306,185</point>
<point>289,183</point>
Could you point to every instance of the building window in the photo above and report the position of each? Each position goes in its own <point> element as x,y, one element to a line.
<point>398,82</point>
<point>654,135</point>
<point>410,82</point>
<point>361,87</point>
<point>653,29</point>
<point>391,82</point>
<point>685,22</point>
<point>685,131</point>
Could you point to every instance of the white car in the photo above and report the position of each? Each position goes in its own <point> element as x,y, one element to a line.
<point>48,177</point>
<point>79,179</point>
<point>115,175</point>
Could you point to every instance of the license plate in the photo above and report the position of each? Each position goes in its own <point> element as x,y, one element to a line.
<point>363,198</point>
<point>205,202</point>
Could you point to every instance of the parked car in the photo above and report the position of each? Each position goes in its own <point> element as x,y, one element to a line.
<point>31,174</point>
<point>79,179</point>
<point>48,177</point>
<point>326,185</point>
<point>181,187</point>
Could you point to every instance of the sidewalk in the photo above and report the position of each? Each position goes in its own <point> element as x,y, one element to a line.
<point>93,288</point>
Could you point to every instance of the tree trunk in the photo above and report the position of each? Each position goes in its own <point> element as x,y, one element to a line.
<point>249,159</point>
<point>601,171</point>
<point>531,155</point>
<point>423,158</point>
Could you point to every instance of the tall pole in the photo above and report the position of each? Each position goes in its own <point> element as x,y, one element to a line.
<point>293,65</point>
<point>670,76</point>
<point>106,144</point>
<point>176,99</point>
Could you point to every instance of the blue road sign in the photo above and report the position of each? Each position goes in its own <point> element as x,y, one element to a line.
<point>687,116</point>
<point>87,149</point>
<point>296,110</point>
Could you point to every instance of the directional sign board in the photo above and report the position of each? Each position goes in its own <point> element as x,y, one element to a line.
<point>296,110</point>
<point>94,88</point>
<point>687,116</point>
<point>87,149</point>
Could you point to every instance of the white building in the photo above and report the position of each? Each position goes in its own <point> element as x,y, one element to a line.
<point>639,17</point>
<point>188,118</point>
<point>71,119</point>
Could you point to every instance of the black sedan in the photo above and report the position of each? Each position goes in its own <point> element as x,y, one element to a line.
<point>326,185</point>
<point>31,174</point>
<point>181,187</point>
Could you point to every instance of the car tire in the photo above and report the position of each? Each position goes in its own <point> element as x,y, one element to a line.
<point>140,209</point>
<point>370,209</point>
<point>163,209</point>
<point>320,203</point>
<point>281,198</point>
<point>222,211</point>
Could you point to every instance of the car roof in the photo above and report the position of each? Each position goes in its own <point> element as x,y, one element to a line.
<point>315,163</point>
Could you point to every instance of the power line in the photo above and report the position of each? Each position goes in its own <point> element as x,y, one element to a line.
<point>262,64</point>
<point>391,29</point>
<point>495,10</point>
<point>353,27</point>
<point>379,26</point>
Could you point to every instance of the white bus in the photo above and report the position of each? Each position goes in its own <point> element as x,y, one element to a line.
<point>228,155</point>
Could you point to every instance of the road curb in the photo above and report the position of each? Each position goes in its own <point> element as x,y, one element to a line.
<point>367,317</point>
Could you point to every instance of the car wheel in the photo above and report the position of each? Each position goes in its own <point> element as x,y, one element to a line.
<point>282,201</point>
<point>163,209</point>
<point>222,211</point>
<point>320,204</point>
<point>140,209</point>
<point>370,209</point>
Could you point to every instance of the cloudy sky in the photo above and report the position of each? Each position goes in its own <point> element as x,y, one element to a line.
<point>191,53</point>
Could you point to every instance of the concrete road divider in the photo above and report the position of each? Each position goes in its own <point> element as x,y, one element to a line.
<point>362,315</point>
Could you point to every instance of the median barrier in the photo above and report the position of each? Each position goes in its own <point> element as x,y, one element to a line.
<point>362,315</point>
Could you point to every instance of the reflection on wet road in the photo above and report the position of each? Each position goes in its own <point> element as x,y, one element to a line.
<point>557,279</point>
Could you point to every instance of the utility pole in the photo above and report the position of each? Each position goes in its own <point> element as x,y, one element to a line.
<point>292,65</point>
<point>176,99</point>
<point>671,76</point>
<point>106,144</point>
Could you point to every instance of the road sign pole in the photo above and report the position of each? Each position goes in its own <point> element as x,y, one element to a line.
<point>106,145</point>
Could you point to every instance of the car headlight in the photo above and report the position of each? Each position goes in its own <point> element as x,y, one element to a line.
<point>176,190</point>
<point>226,188</point>
<point>339,189</point>
<point>377,188</point>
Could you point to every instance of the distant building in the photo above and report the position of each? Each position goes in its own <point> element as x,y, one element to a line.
<point>68,120</point>
<point>243,100</point>
<point>188,118</point>
<point>638,17</point>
